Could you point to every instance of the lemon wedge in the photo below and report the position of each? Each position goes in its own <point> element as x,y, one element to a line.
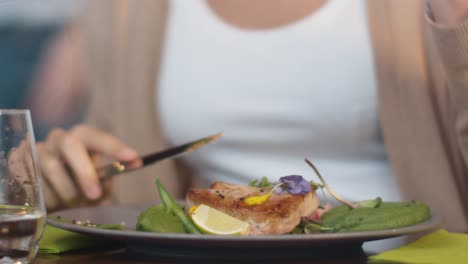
<point>215,222</point>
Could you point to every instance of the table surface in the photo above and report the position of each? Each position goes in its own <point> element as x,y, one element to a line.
<point>121,256</point>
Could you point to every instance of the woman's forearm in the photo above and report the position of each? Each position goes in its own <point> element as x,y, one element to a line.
<point>449,11</point>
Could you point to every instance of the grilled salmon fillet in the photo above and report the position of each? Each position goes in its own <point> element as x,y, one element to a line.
<point>277,215</point>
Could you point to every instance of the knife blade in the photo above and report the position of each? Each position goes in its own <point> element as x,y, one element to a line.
<point>108,171</point>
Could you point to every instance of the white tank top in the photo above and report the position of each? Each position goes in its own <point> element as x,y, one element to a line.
<point>306,89</point>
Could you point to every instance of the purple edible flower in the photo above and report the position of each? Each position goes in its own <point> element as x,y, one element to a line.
<point>293,184</point>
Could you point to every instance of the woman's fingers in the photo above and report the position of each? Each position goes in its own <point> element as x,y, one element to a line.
<point>68,148</point>
<point>79,161</point>
<point>58,177</point>
<point>107,145</point>
<point>104,143</point>
<point>75,147</point>
<point>50,198</point>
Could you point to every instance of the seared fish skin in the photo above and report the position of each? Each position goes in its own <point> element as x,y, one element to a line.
<point>277,215</point>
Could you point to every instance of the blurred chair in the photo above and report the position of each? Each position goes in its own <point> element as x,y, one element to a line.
<point>27,28</point>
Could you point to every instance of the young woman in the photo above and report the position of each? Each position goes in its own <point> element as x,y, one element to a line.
<point>284,80</point>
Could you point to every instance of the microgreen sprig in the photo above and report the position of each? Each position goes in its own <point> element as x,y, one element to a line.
<point>264,182</point>
<point>367,203</point>
<point>330,191</point>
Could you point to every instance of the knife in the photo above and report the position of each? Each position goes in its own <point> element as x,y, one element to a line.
<point>108,171</point>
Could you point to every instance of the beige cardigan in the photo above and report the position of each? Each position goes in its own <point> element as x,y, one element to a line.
<point>424,120</point>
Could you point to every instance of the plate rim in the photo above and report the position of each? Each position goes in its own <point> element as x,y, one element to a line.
<point>435,221</point>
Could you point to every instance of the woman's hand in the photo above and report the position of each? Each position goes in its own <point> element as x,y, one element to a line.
<point>68,161</point>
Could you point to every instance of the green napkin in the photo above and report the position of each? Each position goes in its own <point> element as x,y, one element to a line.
<point>56,240</point>
<point>438,247</point>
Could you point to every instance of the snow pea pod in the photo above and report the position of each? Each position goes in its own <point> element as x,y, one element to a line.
<point>386,216</point>
<point>171,206</point>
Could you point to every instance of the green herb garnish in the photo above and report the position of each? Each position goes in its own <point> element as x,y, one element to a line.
<point>264,182</point>
<point>157,219</point>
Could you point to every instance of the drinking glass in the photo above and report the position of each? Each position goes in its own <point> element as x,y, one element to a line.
<point>22,210</point>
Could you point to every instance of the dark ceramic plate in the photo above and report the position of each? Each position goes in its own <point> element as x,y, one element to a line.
<point>217,247</point>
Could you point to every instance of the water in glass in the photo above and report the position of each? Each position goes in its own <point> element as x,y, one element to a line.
<point>22,210</point>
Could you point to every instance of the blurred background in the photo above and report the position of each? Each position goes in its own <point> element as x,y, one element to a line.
<point>27,28</point>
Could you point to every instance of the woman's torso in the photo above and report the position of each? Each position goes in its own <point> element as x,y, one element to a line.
<point>306,89</point>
